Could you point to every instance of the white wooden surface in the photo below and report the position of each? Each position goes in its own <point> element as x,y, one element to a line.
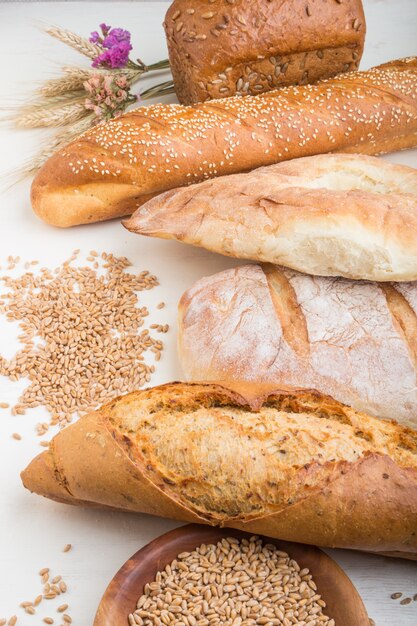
<point>32,530</point>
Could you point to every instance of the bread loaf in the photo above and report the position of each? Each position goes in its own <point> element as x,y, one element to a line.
<point>286,463</point>
<point>331,215</point>
<point>356,341</point>
<point>243,47</point>
<point>116,166</point>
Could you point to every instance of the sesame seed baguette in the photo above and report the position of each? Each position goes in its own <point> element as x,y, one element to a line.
<point>288,463</point>
<point>356,341</point>
<point>116,166</point>
<point>245,47</point>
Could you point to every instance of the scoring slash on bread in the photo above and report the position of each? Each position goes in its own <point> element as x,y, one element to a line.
<point>356,341</point>
<point>242,47</point>
<point>115,167</point>
<point>330,215</point>
<point>285,463</point>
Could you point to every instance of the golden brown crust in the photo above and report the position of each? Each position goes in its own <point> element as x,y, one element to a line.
<point>329,215</point>
<point>110,170</point>
<point>112,458</point>
<point>253,47</point>
<point>351,504</point>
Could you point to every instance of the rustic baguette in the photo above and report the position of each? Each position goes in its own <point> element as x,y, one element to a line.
<point>115,167</point>
<point>291,464</point>
<point>330,215</point>
<point>251,47</point>
<point>355,341</point>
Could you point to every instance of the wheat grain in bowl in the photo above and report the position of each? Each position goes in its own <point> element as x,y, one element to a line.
<point>235,582</point>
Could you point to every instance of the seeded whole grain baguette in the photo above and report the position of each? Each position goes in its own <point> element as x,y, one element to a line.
<point>356,341</point>
<point>287,463</point>
<point>116,166</point>
<point>240,47</point>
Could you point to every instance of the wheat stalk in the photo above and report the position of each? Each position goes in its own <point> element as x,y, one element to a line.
<point>76,42</point>
<point>61,101</point>
<point>85,74</point>
<point>57,86</point>
<point>31,166</point>
<point>132,75</point>
<point>81,73</point>
<point>163,89</point>
<point>58,116</point>
<point>76,76</point>
<point>52,101</point>
<point>58,142</point>
<point>41,105</point>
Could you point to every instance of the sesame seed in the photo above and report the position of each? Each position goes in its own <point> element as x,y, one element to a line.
<point>354,113</point>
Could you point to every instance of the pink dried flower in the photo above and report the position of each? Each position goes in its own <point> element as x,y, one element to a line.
<point>108,95</point>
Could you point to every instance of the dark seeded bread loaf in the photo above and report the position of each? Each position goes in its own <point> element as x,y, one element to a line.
<point>228,47</point>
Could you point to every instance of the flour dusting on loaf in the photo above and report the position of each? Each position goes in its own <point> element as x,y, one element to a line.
<point>255,342</point>
<point>355,350</point>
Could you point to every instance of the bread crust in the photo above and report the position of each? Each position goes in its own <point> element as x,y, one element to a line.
<point>116,166</point>
<point>329,215</point>
<point>353,340</point>
<point>253,47</point>
<point>369,502</point>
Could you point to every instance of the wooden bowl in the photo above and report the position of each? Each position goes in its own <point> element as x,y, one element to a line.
<point>344,603</point>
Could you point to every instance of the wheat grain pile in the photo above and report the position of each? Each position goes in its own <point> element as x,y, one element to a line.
<point>83,334</point>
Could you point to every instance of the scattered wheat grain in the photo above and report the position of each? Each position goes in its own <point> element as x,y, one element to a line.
<point>92,338</point>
